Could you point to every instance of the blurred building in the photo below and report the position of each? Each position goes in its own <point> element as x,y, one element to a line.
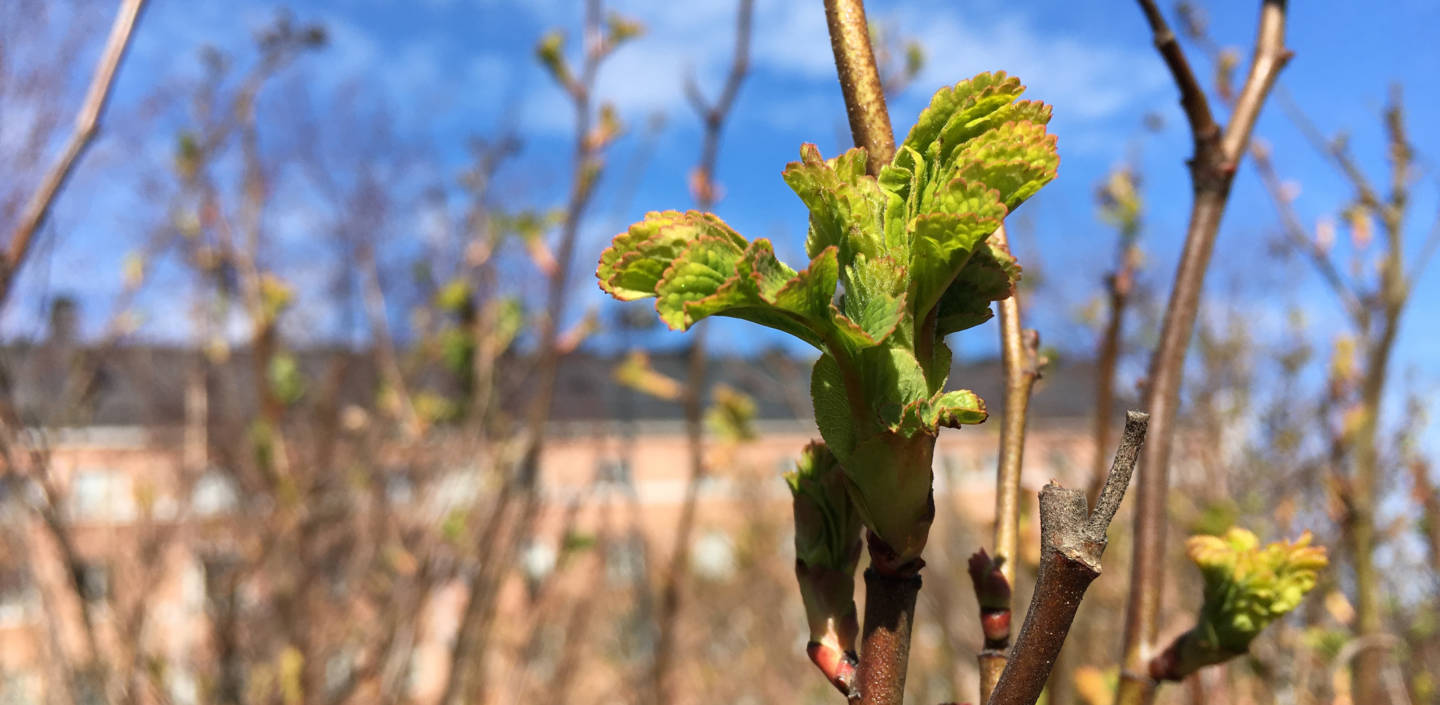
<point>131,446</point>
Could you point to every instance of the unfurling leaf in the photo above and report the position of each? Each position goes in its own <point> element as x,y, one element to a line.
<point>898,261</point>
<point>1247,587</point>
<point>827,551</point>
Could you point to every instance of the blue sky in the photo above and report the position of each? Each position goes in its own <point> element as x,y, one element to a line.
<point>451,69</point>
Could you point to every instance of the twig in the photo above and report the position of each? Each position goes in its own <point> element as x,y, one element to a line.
<point>706,193</point>
<point>587,174</point>
<point>1295,232</point>
<point>860,81</point>
<point>1212,173</point>
<point>87,124</point>
<point>1072,541</point>
<point>1019,351</point>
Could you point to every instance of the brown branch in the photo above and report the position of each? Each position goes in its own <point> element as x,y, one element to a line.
<point>890,593</point>
<point>1192,96</point>
<point>1020,356</point>
<point>586,175</point>
<point>703,184</point>
<point>1212,173</point>
<point>1119,285</point>
<point>1072,541</point>
<point>860,81</point>
<point>1295,233</point>
<point>890,589</point>
<point>87,124</point>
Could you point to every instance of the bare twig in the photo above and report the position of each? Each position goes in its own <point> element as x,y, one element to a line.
<point>1295,233</point>
<point>1072,541</point>
<point>860,81</point>
<point>87,124</point>
<point>706,193</point>
<point>1212,172</point>
<point>587,175</point>
<point>1019,351</point>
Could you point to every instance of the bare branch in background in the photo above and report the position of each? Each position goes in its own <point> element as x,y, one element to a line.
<point>87,124</point>
<point>1020,355</point>
<point>1212,168</point>
<point>706,191</point>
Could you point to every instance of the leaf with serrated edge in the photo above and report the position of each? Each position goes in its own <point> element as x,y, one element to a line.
<point>632,266</point>
<point>832,407</point>
<point>959,407</point>
<point>989,275</point>
<point>706,270</point>
<point>1016,159</point>
<point>972,98</point>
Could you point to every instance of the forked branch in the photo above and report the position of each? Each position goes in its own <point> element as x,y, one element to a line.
<point>1072,541</point>
<point>1217,154</point>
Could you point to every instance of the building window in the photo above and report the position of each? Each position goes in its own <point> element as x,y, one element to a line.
<point>92,581</point>
<point>214,494</point>
<point>625,560</point>
<point>101,495</point>
<point>616,472</point>
<point>15,595</point>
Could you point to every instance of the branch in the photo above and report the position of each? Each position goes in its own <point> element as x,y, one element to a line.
<point>1212,172</point>
<point>87,123</point>
<point>1020,355</point>
<point>703,185</point>
<point>1192,97</point>
<point>586,175</point>
<point>1072,542</point>
<point>860,81</point>
<point>890,593</point>
<point>1295,232</point>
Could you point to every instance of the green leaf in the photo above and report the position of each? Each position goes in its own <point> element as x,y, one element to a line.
<point>959,407</point>
<point>943,242</point>
<point>846,205</point>
<point>962,128</point>
<point>1017,159</point>
<point>949,409</point>
<point>966,102</point>
<point>874,302</point>
<point>893,380</point>
<point>706,271</point>
<point>832,406</point>
<point>989,275</point>
<point>696,266</point>
<point>827,527</point>
<point>632,266</point>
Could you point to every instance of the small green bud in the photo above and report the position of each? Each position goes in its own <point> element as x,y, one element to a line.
<point>827,551</point>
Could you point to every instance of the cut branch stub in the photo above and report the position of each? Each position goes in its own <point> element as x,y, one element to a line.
<point>1072,540</point>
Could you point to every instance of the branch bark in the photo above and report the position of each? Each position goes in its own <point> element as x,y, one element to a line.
<point>1212,168</point>
<point>1073,539</point>
<point>860,81</point>
<point>87,124</point>
<point>890,592</point>
<point>1019,350</point>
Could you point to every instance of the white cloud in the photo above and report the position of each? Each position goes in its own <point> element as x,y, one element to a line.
<point>1085,80</point>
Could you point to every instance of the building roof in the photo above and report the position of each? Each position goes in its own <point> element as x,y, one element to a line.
<point>57,384</point>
